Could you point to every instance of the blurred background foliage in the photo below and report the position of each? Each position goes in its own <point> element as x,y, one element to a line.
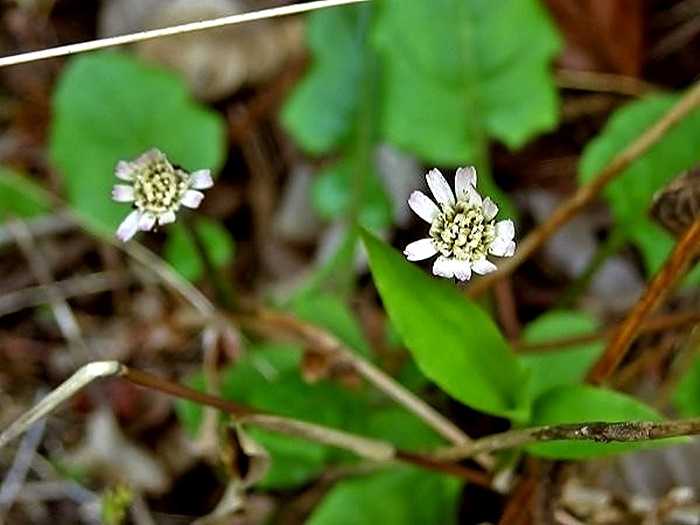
<point>382,90</point>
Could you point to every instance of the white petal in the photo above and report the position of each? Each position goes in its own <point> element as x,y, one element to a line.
<point>464,178</point>
<point>462,269</point>
<point>192,198</point>
<point>490,209</point>
<point>124,170</point>
<point>129,226</point>
<point>152,155</point>
<point>482,266</point>
<point>421,204</point>
<point>505,230</point>
<point>123,193</point>
<point>473,197</point>
<point>166,217</point>
<point>440,188</point>
<point>499,247</point>
<point>147,221</point>
<point>201,180</point>
<point>510,249</point>
<point>419,250</point>
<point>443,267</point>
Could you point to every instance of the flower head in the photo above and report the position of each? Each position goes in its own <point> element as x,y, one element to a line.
<point>463,230</point>
<point>157,190</point>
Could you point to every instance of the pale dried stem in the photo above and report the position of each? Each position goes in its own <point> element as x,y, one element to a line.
<point>599,432</point>
<point>121,40</point>
<point>77,286</point>
<point>368,448</point>
<point>272,322</point>
<point>585,194</point>
<point>65,318</point>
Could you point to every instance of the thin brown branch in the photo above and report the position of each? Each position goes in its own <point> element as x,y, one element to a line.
<point>589,191</point>
<point>661,323</point>
<point>603,83</point>
<point>368,448</point>
<point>675,267</point>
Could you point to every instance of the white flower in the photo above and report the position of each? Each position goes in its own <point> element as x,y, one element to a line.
<point>157,189</point>
<point>462,229</point>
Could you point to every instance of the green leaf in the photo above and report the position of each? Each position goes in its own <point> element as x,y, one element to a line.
<point>21,196</point>
<point>555,367</point>
<point>581,404</point>
<point>321,112</point>
<point>389,498</point>
<point>453,341</point>
<point>686,398</point>
<point>466,75</point>
<point>331,313</point>
<point>630,193</point>
<point>332,195</point>
<point>181,251</point>
<point>110,107</point>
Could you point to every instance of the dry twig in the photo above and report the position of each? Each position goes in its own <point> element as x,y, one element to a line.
<point>675,266</point>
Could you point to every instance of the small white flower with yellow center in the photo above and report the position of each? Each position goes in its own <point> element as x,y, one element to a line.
<point>157,189</point>
<point>462,230</point>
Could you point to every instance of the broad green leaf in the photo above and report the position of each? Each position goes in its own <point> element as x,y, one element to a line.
<point>580,404</point>
<point>555,367</point>
<point>21,196</point>
<point>457,73</point>
<point>400,427</point>
<point>322,110</point>
<point>453,341</point>
<point>630,194</point>
<point>389,498</point>
<point>108,107</point>
<point>181,251</point>
<point>332,195</point>
<point>686,398</point>
<point>331,313</point>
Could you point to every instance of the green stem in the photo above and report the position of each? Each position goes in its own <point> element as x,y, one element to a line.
<point>224,291</point>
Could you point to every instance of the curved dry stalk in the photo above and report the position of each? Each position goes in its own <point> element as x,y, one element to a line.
<point>673,269</point>
<point>599,432</point>
<point>368,448</point>
<point>270,321</point>
<point>587,192</point>
<point>121,40</point>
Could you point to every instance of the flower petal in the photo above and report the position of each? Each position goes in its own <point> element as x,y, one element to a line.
<point>483,266</point>
<point>123,193</point>
<point>166,217</point>
<point>192,198</point>
<point>419,250</point>
<point>499,247</point>
<point>443,267</point>
<point>464,178</point>
<point>490,208</point>
<point>201,179</point>
<point>462,269</point>
<point>423,206</point>
<point>440,188</point>
<point>124,170</point>
<point>152,155</point>
<point>473,197</point>
<point>129,226</point>
<point>147,221</point>
<point>505,230</point>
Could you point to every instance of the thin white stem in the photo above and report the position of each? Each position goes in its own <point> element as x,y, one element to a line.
<point>120,40</point>
<point>83,377</point>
